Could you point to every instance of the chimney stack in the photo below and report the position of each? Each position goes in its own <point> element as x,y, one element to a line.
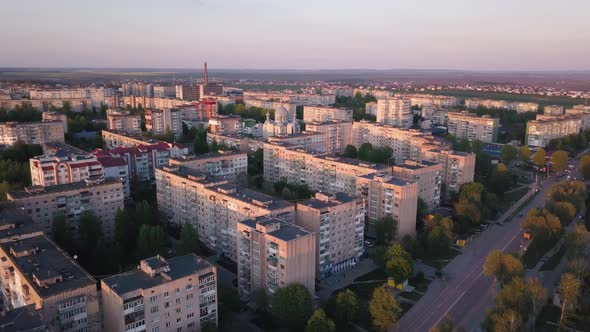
<point>206,75</point>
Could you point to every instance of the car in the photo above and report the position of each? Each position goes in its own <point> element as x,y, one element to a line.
<point>369,244</point>
<point>580,217</point>
<point>521,215</point>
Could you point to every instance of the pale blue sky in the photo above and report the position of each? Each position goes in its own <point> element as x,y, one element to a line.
<point>298,34</point>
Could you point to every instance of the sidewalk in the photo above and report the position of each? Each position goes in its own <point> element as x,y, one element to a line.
<point>343,279</point>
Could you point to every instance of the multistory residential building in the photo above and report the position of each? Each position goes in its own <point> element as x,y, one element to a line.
<point>161,121</point>
<point>273,254</point>
<point>31,132</point>
<point>224,164</point>
<point>124,121</point>
<point>458,167</point>
<point>187,92</point>
<point>50,170</point>
<point>540,132</point>
<point>371,108</point>
<point>23,319</point>
<point>270,104</point>
<point>175,294</point>
<point>210,89</point>
<point>164,91</point>
<point>241,142</point>
<point>92,97</point>
<point>339,91</point>
<point>422,100</point>
<point>326,113</point>
<point>225,124</point>
<point>582,112</point>
<point>138,89</point>
<point>394,111</point>
<point>299,99</point>
<point>114,139</point>
<point>15,225</point>
<point>339,224</point>
<point>116,167</point>
<point>56,116</point>
<point>440,117</point>
<point>152,103</point>
<point>553,110</point>
<point>320,173</point>
<point>429,176</point>
<point>519,107</point>
<point>213,205</point>
<point>338,134</point>
<point>389,196</point>
<point>377,93</point>
<point>36,272</point>
<point>473,127</point>
<point>307,140</point>
<point>103,197</point>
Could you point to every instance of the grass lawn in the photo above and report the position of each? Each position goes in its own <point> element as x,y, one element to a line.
<point>512,197</point>
<point>377,274</point>
<point>534,253</point>
<point>554,260</point>
<point>442,261</point>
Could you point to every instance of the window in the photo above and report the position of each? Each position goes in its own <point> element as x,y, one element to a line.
<point>166,294</point>
<point>178,320</point>
<point>189,296</point>
<point>177,290</point>
<point>189,286</point>
<point>191,315</point>
<point>156,328</point>
<point>167,305</point>
<point>154,309</point>
<point>153,298</point>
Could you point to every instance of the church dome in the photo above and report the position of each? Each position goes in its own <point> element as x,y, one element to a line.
<point>281,114</point>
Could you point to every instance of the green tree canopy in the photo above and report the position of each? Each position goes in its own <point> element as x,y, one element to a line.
<point>543,225</point>
<point>559,161</point>
<point>439,236</point>
<point>502,266</point>
<point>346,306</point>
<point>567,191</point>
<point>151,240</point>
<point>364,151</point>
<point>539,158</point>
<point>189,240</point>
<point>576,242</point>
<point>385,229</point>
<point>319,322</point>
<point>61,233</point>
<point>524,153</point>
<point>509,153</point>
<point>291,306</point>
<point>584,166</point>
<point>384,309</point>
<point>501,179</point>
<point>569,288</point>
<point>350,151</point>
<point>446,325</point>
<point>565,211</point>
<point>398,263</point>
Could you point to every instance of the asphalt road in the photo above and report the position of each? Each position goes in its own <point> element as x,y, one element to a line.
<point>467,292</point>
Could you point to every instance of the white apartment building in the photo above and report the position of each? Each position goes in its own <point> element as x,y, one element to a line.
<point>473,127</point>
<point>176,294</point>
<point>339,224</point>
<point>123,121</point>
<point>371,108</point>
<point>160,121</point>
<point>394,111</point>
<point>582,112</point>
<point>338,134</point>
<point>56,116</point>
<point>326,113</point>
<point>224,164</point>
<point>541,132</point>
<point>429,176</point>
<point>164,91</point>
<point>299,99</point>
<point>50,170</point>
<point>458,167</point>
<point>553,110</point>
<point>31,132</point>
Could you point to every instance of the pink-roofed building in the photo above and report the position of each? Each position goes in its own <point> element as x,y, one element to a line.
<point>50,170</point>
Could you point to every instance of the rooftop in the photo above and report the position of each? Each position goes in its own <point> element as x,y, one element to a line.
<point>40,190</point>
<point>47,268</point>
<point>14,223</point>
<point>286,231</point>
<point>62,149</point>
<point>387,179</point>
<point>22,319</point>
<point>179,267</point>
<point>414,165</point>
<point>209,155</point>
<point>330,201</point>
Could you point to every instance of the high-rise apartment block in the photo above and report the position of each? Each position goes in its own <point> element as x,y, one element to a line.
<point>553,110</point>
<point>176,294</point>
<point>394,111</point>
<point>338,134</point>
<point>103,197</point>
<point>124,121</point>
<point>56,116</point>
<point>225,124</point>
<point>49,170</point>
<point>326,113</point>
<point>386,195</point>
<point>224,164</point>
<point>339,222</point>
<point>473,127</point>
<point>213,205</point>
<point>161,121</point>
<point>519,107</point>
<point>299,99</point>
<point>371,108</point>
<point>458,167</point>
<point>187,92</point>
<point>35,272</point>
<point>273,254</point>
<point>164,91</point>
<point>582,112</point>
<point>540,132</point>
<point>138,89</point>
<point>429,176</point>
<point>423,100</point>
<point>31,132</point>
<point>307,140</point>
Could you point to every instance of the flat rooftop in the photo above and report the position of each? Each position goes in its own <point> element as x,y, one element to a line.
<point>22,319</point>
<point>14,223</point>
<point>388,179</point>
<point>180,267</point>
<point>40,190</point>
<point>62,149</point>
<point>210,155</point>
<point>335,200</point>
<point>418,165</point>
<point>48,261</point>
<point>286,232</point>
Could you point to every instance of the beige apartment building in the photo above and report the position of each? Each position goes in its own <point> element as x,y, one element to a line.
<point>339,224</point>
<point>395,111</point>
<point>243,143</point>
<point>540,132</point>
<point>458,167</point>
<point>473,127</point>
<point>326,113</point>
<point>176,294</point>
<point>213,205</point>
<point>338,134</point>
<point>15,225</point>
<point>270,104</point>
<point>160,121</point>
<point>308,140</point>
<point>519,107</point>
<point>224,164</point>
<point>553,110</point>
<point>273,254</point>
<point>582,112</point>
<point>422,100</point>
<point>386,195</point>
<point>429,176</point>
<point>103,197</point>
<point>371,108</point>
<point>225,124</point>
<point>31,132</point>
<point>299,99</point>
<point>56,116</point>
<point>123,121</point>
<point>75,166</point>
<point>318,172</point>
<point>34,271</point>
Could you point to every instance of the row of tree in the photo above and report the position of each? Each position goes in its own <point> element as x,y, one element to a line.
<point>357,104</point>
<point>367,152</point>
<point>256,113</point>
<point>571,143</point>
<point>15,172</point>
<point>24,113</point>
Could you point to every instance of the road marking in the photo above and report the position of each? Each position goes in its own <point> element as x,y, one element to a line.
<point>507,244</point>
<point>451,307</point>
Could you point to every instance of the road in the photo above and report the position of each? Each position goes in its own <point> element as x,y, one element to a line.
<point>467,292</point>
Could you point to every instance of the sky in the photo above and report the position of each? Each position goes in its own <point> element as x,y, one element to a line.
<point>297,34</point>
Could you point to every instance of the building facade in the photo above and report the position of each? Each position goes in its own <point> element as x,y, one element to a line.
<point>50,170</point>
<point>429,176</point>
<point>473,127</point>
<point>326,113</point>
<point>31,132</point>
<point>458,167</point>
<point>284,123</point>
<point>123,121</point>
<point>161,121</point>
<point>56,116</point>
<point>540,132</point>
<point>338,134</point>
<point>394,111</point>
<point>224,164</point>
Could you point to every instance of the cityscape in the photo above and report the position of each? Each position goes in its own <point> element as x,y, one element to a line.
<point>282,166</point>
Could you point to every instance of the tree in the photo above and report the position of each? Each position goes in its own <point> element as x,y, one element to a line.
<point>502,267</point>
<point>439,236</point>
<point>61,233</point>
<point>542,225</point>
<point>346,306</point>
<point>464,145</point>
<point>579,266</point>
<point>524,153</point>
<point>291,306</point>
<point>506,321</point>
<point>384,309</point>
<point>576,242</point>
<point>229,298</point>
<point>559,161</point>
<point>319,322</point>
<point>151,240</point>
<point>364,151</point>
<point>446,325</point>
<point>144,213</point>
<point>209,326</point>
<point>385,230</point>
<point>568,191</point>
<point>568,289</point>
<point>126,230</point>
<point>509,153</point>
<point>350,151</point>
<point>584,166</point>
<point>539,158</point>
<point>501,179</point>
<point>565,211</point>
<point>261,300</point>
<point>89,232</point>
<point>536,295</point>
<point>189,240</point>
<point>398,263</point>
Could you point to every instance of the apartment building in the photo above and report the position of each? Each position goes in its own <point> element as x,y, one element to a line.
<point>339,91</point>
<point>161,121</point>
<point>556,110</point>
<point>519,107</point>
<point>116,167</point>
<point>187,92</point>
<point>320,173</point>
<point>56,116</point>
<point>123,121</point>
<point>386,195</point>
<point>213,205</point>
<point>31,132</point>
<point>439,117</point>
<point>241,142</point>
<point>422,100</point>
<point>582,112</point>
<point>326,113</point>
<point>377,93</point>
<point>95,97</point>
<point>371,108</point>
<point>540,132</point>
<point>15,225</point>
<point>429,176</point>
<point>138,89</point>
<point>50,170</point>
<point>394,111</point>
<point>164,91</point>
<point>103,197</point>
<point>152,103</point>
<point>36,272</point>
<point>307,140</point>
<point>458,167</point>
<point>176,294</point>
<point>225,124</point>
<point>339,224</point>
<point>299,99</point>
<point>23,319</point>
<point>338,134</point>
<point>273,254</point>
<point>224,164</point>
<point>473,127</point>
<point>270,104</point>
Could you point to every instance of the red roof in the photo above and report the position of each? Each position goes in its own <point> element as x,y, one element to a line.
<point>112,161</point>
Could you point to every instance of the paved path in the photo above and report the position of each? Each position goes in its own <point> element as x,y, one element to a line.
<point>343,279</point>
